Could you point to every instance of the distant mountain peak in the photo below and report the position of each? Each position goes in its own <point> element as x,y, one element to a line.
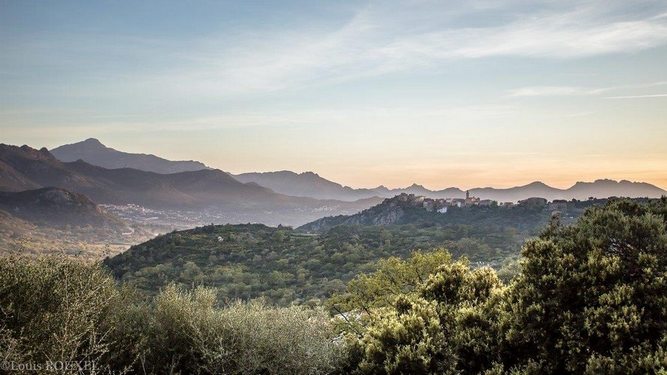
<point>41,154</point>
<point>89,145</point>
<point>309,174</point>
<point>94,141</point>
<point>92,151</point>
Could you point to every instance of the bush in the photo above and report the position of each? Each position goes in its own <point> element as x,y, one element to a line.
<point>445,327</point>
<point>188,334</point>
<point>54,309</point>
<point>59,309</point>
<point>392,278</point>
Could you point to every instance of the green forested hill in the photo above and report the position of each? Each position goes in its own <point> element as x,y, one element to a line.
<point>287,265</point>
<point>248,261</point>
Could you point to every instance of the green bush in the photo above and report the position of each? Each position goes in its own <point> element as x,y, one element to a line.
<point>59,309</point>
<point>54,309</point>
<point>393,277</point>
<point>444,327</point>
<point>188,334</point>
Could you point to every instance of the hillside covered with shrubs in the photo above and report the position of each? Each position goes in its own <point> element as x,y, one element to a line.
<point>286,265</point>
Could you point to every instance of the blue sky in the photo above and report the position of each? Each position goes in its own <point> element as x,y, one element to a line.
<point>441,93</point>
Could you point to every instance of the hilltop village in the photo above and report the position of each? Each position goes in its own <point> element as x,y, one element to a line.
<point>441,205</point>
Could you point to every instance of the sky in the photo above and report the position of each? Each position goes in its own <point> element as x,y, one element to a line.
<point>441,93</point>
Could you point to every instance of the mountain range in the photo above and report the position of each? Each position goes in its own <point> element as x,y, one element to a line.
<point>309,184</point>
<point>94,152</point>
<point>312,185</point>
<point>282,197</point>
<point>26,168</point>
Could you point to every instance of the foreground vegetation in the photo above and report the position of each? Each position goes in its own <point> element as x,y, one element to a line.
<point>59,309</point>
<point>588,298</point>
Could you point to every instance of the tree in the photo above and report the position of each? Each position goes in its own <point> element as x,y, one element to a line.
<point>443,327</point>
<point>392,278</point>
<point>592,297</point>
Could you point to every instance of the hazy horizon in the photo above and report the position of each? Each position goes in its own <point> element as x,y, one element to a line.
<point>465,94</point>
<point>463,187</point>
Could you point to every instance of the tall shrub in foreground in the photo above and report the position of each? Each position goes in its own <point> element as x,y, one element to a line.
<point>592,297</point>
<point>188,334</point>
<point>59,309</point>
<point>444,327</point>
<point>54,309</point>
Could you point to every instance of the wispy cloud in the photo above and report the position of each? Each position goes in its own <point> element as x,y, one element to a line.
<point>553,91</point>
<point>535,91</point>
<point>378,38</point>
<point>561,36</point>
<point>387,38</point>
<point>638,96</point>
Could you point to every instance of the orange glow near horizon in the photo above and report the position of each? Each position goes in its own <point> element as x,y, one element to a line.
<point>501,181</point>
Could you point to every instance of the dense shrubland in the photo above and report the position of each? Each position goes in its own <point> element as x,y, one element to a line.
<point>587,298</point>
<point>59,309</point>
<point>286,266</point>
